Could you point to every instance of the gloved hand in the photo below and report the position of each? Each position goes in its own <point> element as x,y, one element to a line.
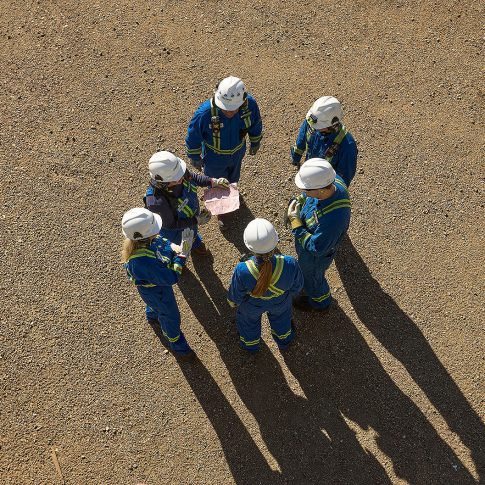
<point>187,240</point>
<point>197,163</point>
<point>176,248</point>
<point>294,214</point>
<point>220,182</point>
<point>204,217</point>
<point>295,163</point>
<point>253,149</point>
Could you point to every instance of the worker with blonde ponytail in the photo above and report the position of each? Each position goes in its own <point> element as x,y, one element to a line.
<point>154,264</point>
<point>264,283</point>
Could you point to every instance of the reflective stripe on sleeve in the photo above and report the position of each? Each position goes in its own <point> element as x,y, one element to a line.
<point>255,139</point>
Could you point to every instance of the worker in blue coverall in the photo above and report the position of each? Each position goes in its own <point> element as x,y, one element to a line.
<point>172,194</point>
<point>154,264</point>
<point>216,136</point>
<point>264,283</point>
<point>319,219</point>
<point>322,135</point>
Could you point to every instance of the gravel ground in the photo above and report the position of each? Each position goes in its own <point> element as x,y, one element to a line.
<point>386,388</point>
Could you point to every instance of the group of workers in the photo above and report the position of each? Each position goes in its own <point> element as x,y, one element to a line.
<point>160,237</point>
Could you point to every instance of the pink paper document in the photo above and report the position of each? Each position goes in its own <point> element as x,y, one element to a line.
<point>220,200</point>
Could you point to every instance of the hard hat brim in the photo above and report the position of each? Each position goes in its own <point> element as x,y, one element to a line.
<point>319,125</point>
<point>265,250</point>
<point>157,226</point>
<point>155,229</point>
<point>226,105</point>
<point>180,172</point>
<point>299,182</point>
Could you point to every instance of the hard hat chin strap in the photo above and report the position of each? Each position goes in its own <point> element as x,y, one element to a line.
<point>159,184</point>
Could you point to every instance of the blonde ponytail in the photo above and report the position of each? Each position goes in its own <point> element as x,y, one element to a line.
<point>265,273</point>
<point>130,246</point>
<point>127,249</point>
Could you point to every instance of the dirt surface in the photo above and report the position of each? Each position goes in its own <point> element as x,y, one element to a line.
<point>386,388</point>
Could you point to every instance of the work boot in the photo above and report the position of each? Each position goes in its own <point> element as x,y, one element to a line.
<point>201,250</point>
<point>301,303</point>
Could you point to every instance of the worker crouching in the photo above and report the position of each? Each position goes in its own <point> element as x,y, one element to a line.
<point>319,218</point>
<point>264,283</point>
<point>154,264</point>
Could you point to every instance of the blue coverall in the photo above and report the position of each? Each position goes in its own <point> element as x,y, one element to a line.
<point>178,207</point>
<point>324,224</point>
<point>286,282</point>
<point>154,270</point>
<point>222,151</point>
<point>344,161</point>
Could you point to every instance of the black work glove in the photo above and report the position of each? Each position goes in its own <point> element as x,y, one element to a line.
<point>198,164</point>
<point>253,149</point>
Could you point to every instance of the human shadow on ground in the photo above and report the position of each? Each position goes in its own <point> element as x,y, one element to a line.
<point>310,437</point>
<point>285,420</point>
<point>404,340</point>
<point>343,379</point>
<point>246,462</point>
<point>234,225</point>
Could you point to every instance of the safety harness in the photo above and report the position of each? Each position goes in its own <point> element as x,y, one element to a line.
<point>177,204</point>
<point>148,253</point>
<point>278,270</point>
<point>332,150</point>
<point>216,125</point>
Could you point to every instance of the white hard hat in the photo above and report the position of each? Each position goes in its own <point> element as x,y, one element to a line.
<point>167,166</point>
<point>229,94</point>
<point>139,223</point>
<point>324,112</point>
<point>315,173</point>
<point>260,236</point>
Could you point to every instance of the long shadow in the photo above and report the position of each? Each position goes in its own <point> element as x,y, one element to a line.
<point>403,339</point>
<point>234,225</point>
<point>290,425</point>
<point>246,462</point>
<point>342,377</point>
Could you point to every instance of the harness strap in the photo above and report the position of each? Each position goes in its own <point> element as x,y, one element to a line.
<point>335,146</point>
<point>332,150</point>
<point>215,125</point>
